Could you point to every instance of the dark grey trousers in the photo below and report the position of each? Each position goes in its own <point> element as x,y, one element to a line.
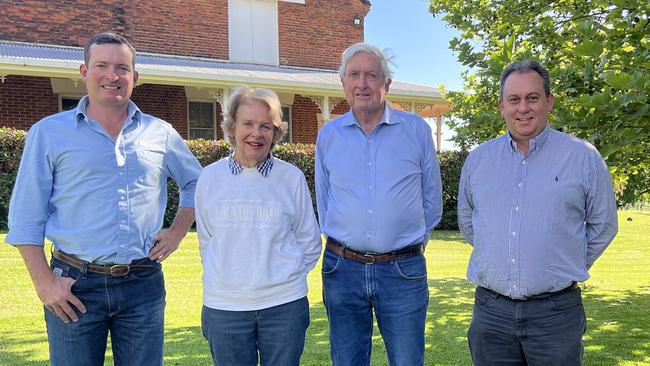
<point>545,332</point>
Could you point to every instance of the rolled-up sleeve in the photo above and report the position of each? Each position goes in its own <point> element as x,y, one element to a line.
<point>183,167</point>
<point>29,205</point>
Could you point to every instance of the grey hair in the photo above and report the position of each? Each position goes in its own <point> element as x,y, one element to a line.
<point>384,57</point>
<point>526,66</point>
<point>107,38</point>
<point>245,94</point>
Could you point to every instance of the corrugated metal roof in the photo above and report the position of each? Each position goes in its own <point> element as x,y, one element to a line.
<point>66,57</point>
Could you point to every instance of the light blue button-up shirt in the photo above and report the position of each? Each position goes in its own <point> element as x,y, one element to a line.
<point>381,191</point>
<point>537,222</point>
<point>100,199</point>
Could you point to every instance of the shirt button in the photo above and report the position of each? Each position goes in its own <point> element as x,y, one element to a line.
<point>369,164</point>
<point>516,208</point>
<point>523,162</point>
<point>369,187</point>
<point>370,141</point>
<point>369,236</point>
<point>514,286</point>
<point>370,212</point>
<point>519,184</point>
<point>514,233</point>
<point>513,260</point>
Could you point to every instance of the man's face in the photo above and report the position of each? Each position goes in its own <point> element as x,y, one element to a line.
<point>525,106</point>
<point>109,75</point>
<point>364,85</point>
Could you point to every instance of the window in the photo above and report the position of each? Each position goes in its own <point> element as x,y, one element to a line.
<point>201,120</point>
<point>253,31</point>
<point>68,103</point>
<point>286,116</point>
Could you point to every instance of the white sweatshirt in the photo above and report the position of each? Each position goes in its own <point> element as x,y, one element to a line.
<point>258,236</point>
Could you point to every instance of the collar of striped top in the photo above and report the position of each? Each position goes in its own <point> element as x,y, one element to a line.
<point>264,168</point>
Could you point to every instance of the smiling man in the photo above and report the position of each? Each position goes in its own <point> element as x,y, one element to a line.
<point>538,207</point>
<point>379,196</point>
<point>94,182</point>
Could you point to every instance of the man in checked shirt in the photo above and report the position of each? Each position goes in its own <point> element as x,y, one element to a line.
<point>538,207</point>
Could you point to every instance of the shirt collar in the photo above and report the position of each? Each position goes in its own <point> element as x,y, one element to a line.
<point>264,168</point>
<point>385,117</point>
<point>534,144</point>
<point>133,112</point>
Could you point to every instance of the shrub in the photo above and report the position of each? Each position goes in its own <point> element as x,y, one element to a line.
<point>451,163</point>
<point>11,149</point>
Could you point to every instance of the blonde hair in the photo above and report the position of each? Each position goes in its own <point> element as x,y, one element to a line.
<point>245,94</point>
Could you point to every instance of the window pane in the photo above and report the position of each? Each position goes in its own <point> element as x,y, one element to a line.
<point>201,120</point>
<point>68,103</point>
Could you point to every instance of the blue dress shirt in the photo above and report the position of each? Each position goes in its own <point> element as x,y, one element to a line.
<point>536,222</point>
<point>381,191</point>
<point>100,199</point>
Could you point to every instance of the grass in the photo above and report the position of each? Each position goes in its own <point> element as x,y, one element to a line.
<point>617,301</point>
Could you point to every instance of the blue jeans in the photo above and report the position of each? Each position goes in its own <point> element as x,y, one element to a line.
<point>544,332</point>
<point>398,293</point>
<point>276,333</point>
<point>131,308</point>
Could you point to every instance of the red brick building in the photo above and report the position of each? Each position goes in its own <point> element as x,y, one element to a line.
<point>190,54</point>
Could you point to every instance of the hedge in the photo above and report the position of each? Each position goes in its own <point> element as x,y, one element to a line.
<point>208,151</point>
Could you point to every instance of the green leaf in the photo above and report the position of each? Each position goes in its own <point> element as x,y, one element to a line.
<point>589,49</point>
<point>618,80</point>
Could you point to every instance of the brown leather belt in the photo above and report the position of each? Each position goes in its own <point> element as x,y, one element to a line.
<point>335,247</point>
<point>116,270</point>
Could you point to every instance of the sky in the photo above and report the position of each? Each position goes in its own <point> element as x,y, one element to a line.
<point>420,44</point>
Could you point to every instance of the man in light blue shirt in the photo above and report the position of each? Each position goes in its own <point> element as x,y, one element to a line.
<point>378,191</point>
<point>94,182</point>
<point>538,207</point>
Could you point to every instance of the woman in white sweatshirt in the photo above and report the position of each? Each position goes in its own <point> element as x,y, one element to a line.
<point>258,238</point>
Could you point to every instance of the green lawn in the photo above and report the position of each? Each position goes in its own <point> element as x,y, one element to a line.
<point>617,301</point>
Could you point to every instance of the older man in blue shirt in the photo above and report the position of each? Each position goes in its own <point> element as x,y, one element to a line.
<point>93,181</point>
<point>379,196</point>
<point>538,207</point>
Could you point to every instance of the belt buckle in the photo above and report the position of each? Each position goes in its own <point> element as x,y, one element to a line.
<point>371,256</point>
<point>119,270</point>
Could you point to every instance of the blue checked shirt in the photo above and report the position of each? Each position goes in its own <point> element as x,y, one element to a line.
<point>100,199</point>
<point>537,222</point>
<point>378,192</point>
<point>264,168</point>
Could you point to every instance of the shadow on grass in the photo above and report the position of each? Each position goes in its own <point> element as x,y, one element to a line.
<point>618,331</point>
<point>22,348</point>
<point>618,327</point>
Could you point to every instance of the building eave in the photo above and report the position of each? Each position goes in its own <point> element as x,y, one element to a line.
<point>30,59</point>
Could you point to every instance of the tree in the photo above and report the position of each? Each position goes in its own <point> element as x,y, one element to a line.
<point>598,55</point>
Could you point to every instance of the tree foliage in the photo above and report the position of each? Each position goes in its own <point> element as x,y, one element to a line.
<point>598,55</point>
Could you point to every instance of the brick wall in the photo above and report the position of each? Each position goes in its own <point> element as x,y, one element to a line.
<point>321,28</point>
<point>163,26</point>
<point>316,33</point>
<point>165,102</point>
<point>24,100</point>
<point>305,120</point>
